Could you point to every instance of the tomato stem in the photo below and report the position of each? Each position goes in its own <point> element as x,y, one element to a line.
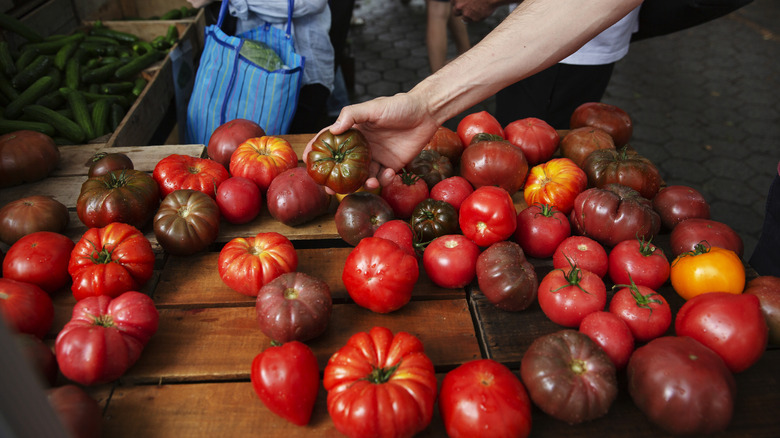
<point>572,277</point>
<point>382,375</point>
<point>642,301</point>
<point>700,248</point>
<point>102,320</point>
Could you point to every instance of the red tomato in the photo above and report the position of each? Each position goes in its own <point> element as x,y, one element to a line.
<point>294,306</point>
<point>639,261</point>
<point>176,172</point>
<point>451,260</point>
<point>248,264</point>
<point>584,252</point>
<point>81,415</point>
<point>731,325</point>
<point>40,258</point>
<point>478,123</point>
<point>612,334</point>
<point>556,182</point>
<point>228,136</point>
<point>578,143</point>
<point>287,380</point>
<point>644,311</point>
<point>379,275</point>
<point>677,203</point>
<point>25,307</point>
<point>535,137</point>
<point>239,199</point>
<point>488,216</point>
<point>612,119</point>
<point>340,162</point>
<point>690,232</point>
<point>767,289</point>
<point>484,398</point>
<point>404,192</point>
<point>567,296</point>
<point>262,159</point>
<point>446,142</point>
<point>380,385</point>
<point>494,163</point>
<point>452,190</point>
<point>105,337</point>
<point>294,198</point>
<point>399,232</point>
<point>128,196</point>
<point>540,230</point>
<point>110,261</point>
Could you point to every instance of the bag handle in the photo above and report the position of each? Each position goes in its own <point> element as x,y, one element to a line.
<point>290,4</point>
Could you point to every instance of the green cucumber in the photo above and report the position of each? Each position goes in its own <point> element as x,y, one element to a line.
<point>138,86</point>
<point>68,128</point>
<point>122,37</point>
<point>137,65</point>
<point>7,89</point>
<point>52,99</point>
<point>100,113</point>
<point>78,104</point>
<point>32,72</point>
<point>73,73</point>
<point>10,23</point>
<point>28,97</point>
<point>53,46</point>
<point>65,52</point>
<point>103,73</point>
<point>8,126</point>
<point>116,87</point>
<point>116,116</point>
<point>7,66</point>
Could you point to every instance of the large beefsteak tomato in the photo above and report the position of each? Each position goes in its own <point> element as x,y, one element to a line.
<point>186,222</point>
<point>494,163</point>
<point>535,137</point>
<point>26,156</point>
<point>30,214</point>
<point>506,277</point>
<point>262,159</point>
<point>556,182</point>
<point>126,195</point>
<point>176,172</point>
<point>623,166</point>
<point>339,162</point>
<point>294,306</point>
<point>246,264</point>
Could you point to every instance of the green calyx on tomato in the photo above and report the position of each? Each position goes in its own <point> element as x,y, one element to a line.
<point>646,248</point>
<point>102,256</point>
<point>380,375</point>
<point>572,277</point>
<point>546,210</point>
<point>103,320</point>
<point>485,136</point>
<point>642,300</point>
<point>408,178</point>
<point>700,248</point>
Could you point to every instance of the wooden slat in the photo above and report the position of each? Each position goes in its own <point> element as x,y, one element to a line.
<point>144,158</point>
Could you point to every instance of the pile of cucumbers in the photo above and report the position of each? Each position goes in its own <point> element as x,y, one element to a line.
<point>75,87</point>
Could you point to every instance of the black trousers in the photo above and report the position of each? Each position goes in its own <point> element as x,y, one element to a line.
<point>310,116</point>
<point>766,257</point>
<point>553,94</point>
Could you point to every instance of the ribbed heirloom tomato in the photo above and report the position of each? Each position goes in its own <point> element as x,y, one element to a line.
<point>246,264</point>
<point>556,182</point>
<point>176,172</point>
<point>339,162</point>
<point>262,159</point>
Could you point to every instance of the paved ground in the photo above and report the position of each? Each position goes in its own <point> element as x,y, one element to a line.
<point>705,102</point>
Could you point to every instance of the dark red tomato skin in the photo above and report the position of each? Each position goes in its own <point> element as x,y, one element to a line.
<point>451,260</point>
<point>612,334</point>
<point>294,198</point>
<point>186,222</point>
<point>612,119</point>
<point>478,123</point>
<point>81,415</point>
<point>567,296</point>
<point>239,199</point>
<point>453,190</point>
<point>506,278</point>
<point>446,142</point>
<point>658,370</point>
<point>641,262</point>
<point>767,289</point>
<point>339,162</point>
<point>677,203</point>
<point>226,138</point>
<point>731,325</point>
<point>494,163</point>
<point>646,313</point>
<point>294,306</point>
<point>584,252</point>
<point>128,196</point>
<point>25,307</point>
<point>488,216</point>
<point>535,137</point>
<point>688,233</point>
<point>540,230</point>
<point>359,214</point>
<point>26,156</point>
<point>30,214</point>
<point>484,398</point>
<point>40,258</point>
<point>102,163</point>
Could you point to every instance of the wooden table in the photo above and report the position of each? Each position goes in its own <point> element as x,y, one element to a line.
<point>193,377</point>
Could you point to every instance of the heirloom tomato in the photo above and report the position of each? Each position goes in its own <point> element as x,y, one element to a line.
<point>432,167</point>
<point>26,156</point>
<point>610,118</point>
<point>105,337</point>
<point>339,162</point>
<point>640,262</point>
<point>103,162</point>
<point>228,136</point>
<point>690,232</point>
<point>81,415</point>
<point>246,264</point>
<point>488,216</point>
<point>446,142</point>
<point>681,386</point>
<point>186,222</point>
<point>40,356</point>
<point>569,377</point>
<point>379,275</point>
<point>583,252</point>
<point>644,311</point>
<point>431,219</point>
<point>294,306</point>
<point>262,159</point>
<point>380,384</point>
<point>611,334</point>
<point>556,182</point>
<point>484,398</point>
<point>109,261</point>
<point>731,325</point>
<point>540,229</point>
<point>30,214</point>
<point>176,172</point>
<point>568,295</point>
<point>359,214</point>
<point>478,123</point>
<point>128,196</point>
<point>453,190</point>
<point>239,199</point>
<point>535,137</point>
<point>707,269</point>
<point>677,203</point>
<point>506,278</point>
<point>624,166</point>
<point>286,378</point>
<point>294,198</point>
<point>767,289</point>
<point>451,260</point>
<point>404,192</point>
<point>40,258</point>
<point>494,163</point>
<point>401,233</point>
<point>578,143</point>
<point>26,308</point>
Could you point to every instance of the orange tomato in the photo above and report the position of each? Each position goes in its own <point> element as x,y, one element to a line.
<point>707,269</point>
<point>555,182</point>
<point>262,159</point>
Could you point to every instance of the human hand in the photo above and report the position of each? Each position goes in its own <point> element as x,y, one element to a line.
<point>200,3</point>
<point>477,10</point>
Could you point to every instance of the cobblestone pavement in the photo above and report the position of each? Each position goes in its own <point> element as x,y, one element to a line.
<point>705,102</point>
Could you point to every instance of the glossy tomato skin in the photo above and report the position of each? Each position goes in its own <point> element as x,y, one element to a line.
<point>569,377</point>
<point>176,172</point>
<point>110,261</point>
<point>26,156</point>
<point>556,182</point>
<point>488,216</point>
<point>483,398</point>
<point>623,166</point>
<point>104,162</point>
<point>610,118</point>
<point>658,370</point>
<point>281,371</point>
<point>293,198</point>
<point>128,196</point>
<point>506,277</point>
<point>767,289</point>
<point>26,308</point>
<point>567,296</point>
<point>641,262</point>
<point>187,222</point>
<point>540,230</point>
<point>30,214</point>
<point>239,199</point>
<point>431,219</point>
<point>646,312</point>
<point>379,275</point>
<point>380,384</point>
<point>731,325</point>
<point>451,260</point>
<point>40,357</point>
<point>677,203</point>
<point>339,162</point>
<point>40,258</point>
<point>584,252</point>
<point>535,137</point>
<point>262,159</point>
<point>80,414</point>
<point>707,269</point>
<point>294,306</point>
<point>478,123</point>
<point>400,232</point>
<point>105,337</point>
<point>432,167</point>
<point>228,136</point>
<point>446,142</point>
<point>404,192</point>
<point>690,232</point>
<point>611,334</point>
<point>359,214</point>
<point>578,143</point>
<point>247,264</point>
<point>494,163</point>
<point>453,190</point>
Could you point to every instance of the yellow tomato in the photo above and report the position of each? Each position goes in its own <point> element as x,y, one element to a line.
<point>707,269</point>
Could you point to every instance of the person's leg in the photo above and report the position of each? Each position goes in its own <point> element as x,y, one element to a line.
<point>575,85</point>
<point>527,98</point>
<point>766,257</point>
<point>436,33</point>
<point>310,116</point>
